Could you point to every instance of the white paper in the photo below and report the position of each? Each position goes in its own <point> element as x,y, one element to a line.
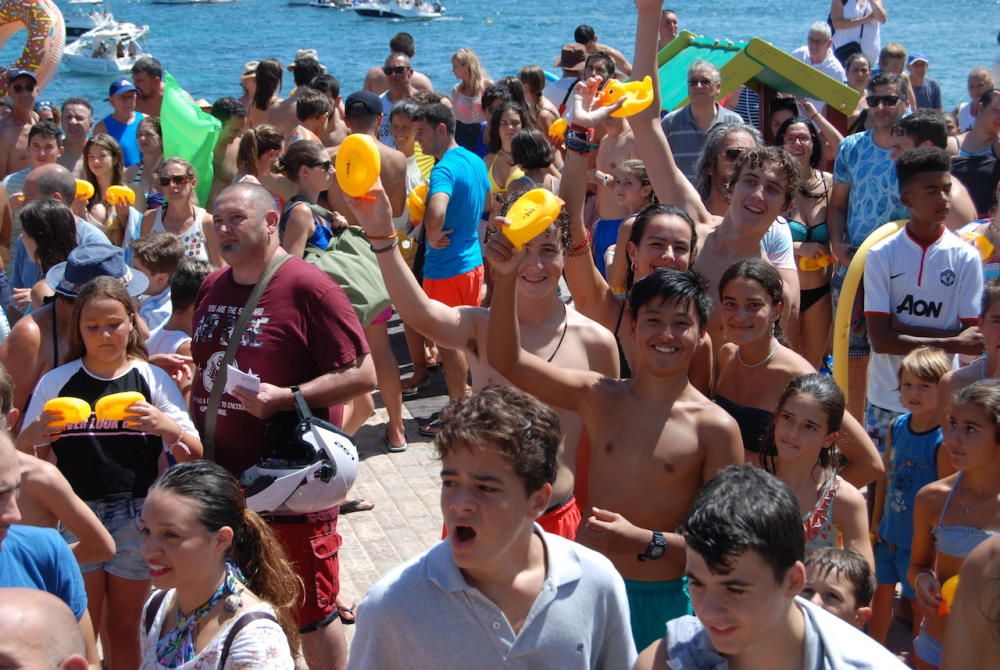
<point>247,381</point>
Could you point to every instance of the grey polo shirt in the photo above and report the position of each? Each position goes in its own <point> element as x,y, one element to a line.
<point>423,614</point>
<point>686,140</point>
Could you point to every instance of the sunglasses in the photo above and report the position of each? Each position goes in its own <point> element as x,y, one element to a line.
<point>326,166</point>
<point>880,100</point>
<point>733,153</point>
<point>700,82</point>
<point>176,180</point>
<point>23,88</point>
<point>398,69</point>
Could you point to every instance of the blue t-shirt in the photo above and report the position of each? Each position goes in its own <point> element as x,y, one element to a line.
<point>462,175</point>
<point>912,465</point>
<point>874,198</point>
<point>38,558</point>
<point>928,94</point>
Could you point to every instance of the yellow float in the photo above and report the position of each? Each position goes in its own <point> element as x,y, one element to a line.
<point>84,189</point>
<point>70,410</point>
<point>114,407</point>
<point>119,195</point>
<point>416,203</point>
<point>638,96</point>
<point>530,215</point>
<point>947,595</point>
<point>358,165</point>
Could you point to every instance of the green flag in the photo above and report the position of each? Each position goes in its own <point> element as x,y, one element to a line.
<point>189,133</point>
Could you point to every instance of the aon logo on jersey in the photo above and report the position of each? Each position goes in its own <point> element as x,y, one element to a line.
<point>919,307</point>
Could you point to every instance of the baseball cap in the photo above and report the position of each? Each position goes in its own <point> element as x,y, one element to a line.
<point>362,103</point>
<point>572,57</point>
<point>119,86</point>
<point>918,56</point>
<point>88,261</point>
<point>14,73</point>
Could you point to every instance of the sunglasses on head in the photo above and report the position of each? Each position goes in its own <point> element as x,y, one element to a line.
<point>879,100</point>
<point>700,82</point>
<point>397,69</point>
<point>23,88</point>
<point>325,165</point>
<point>176,180</point>
<point>732,153</point>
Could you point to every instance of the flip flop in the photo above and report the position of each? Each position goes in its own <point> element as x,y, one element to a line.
<point>431,428</point>
<point>397,449</point>
<point>356,505</point>
<point>350,619</point>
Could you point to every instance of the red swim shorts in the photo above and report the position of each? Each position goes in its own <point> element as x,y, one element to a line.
<point>563,519</point>
<point>462,290</point>
<point>312,544</point>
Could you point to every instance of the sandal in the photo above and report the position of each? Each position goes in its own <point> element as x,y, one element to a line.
<point>431,428</point>
<point>392,449</point>
<point>346,614</point>
<point>356,505</point>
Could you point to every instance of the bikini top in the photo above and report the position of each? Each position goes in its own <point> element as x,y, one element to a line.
<point>818,522</point>
<point>624,371</point>
<point>515,174</point>
<point>753,422</point>
<point>803,233</point>
<point>957,539</point>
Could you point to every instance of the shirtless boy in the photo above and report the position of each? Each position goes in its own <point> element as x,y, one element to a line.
<point>23,88</point>
<point>655,439</point>
<point>552,331</point>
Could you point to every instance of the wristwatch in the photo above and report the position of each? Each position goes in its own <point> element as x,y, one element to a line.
<point>655,549</point>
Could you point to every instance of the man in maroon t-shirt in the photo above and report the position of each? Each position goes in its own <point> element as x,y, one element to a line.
<point>304,333</point>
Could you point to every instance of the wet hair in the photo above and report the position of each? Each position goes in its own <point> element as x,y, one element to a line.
<point>310,104</point>
<point>305,70</point>
<point>531,149</point>
<point>493,140</point>
<point>764,274</point>
<point>268,77</point>
<point>927,364</point>
<point>108,143</point>
<point>254,143</point>
<point>830,398</point>
<point>406,107</point>
<point>403,43</point>
<point>847,563</point>
<point>745,509</point>
<point>227,108</point>
<point>991,293</point>
<point>885,79</point>
<point>508,420</point>
<point>76,100</point>
<point>817,143</point>
<point>435,114</point>
<point>708,157</point>
<point>984,394</point>
<point>477,76</point>
<point>186,282</point>
<point>762,157</point>
<point>642,221</point>
<point>666,285</point>
<point>918,161</point>
<point>601,63</point>
<point>159,253</point>
<point>584,34</point>
<point>148,65</point>
<point>326,83</point>
<point>924,125</point>
<point>256,549</point>
<point>47,130</point>
<point>783,104</point>
<point>104,288</point>
<point>304,153</point>
<point>52,226</point>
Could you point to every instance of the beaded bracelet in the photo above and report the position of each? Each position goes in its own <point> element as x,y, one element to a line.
<point>581,248</point>
<point>382,250</point>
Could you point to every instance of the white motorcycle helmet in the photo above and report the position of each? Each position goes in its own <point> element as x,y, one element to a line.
<point>310,471</point>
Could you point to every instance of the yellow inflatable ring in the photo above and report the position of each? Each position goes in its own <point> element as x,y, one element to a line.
<point>842,322</point>
<point>46,36</point>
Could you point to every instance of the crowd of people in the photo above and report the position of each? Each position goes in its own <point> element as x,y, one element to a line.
<point>645,459</point>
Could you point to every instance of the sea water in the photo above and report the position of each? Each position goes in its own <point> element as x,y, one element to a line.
<point>205,45</point>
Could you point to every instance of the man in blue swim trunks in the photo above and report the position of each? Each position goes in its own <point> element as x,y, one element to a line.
<point>123,123</point>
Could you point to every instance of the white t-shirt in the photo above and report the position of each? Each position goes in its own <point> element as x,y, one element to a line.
<point>165,341</point>
<point>777,245</point>
<point>935,287</point>
<point>830,66</point>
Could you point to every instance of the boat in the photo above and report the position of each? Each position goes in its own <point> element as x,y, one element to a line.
<point>107,50</point>
<point>80,21</point>
<point>189,2</point>
<point>329,4</point>
<point>400,10</point>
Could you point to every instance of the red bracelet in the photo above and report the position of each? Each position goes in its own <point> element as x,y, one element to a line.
<point>583,247</point>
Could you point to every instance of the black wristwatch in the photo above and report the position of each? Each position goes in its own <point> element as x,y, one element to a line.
<point>655,549</point>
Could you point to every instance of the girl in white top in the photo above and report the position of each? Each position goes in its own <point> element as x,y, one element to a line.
<point>181,215</point>
<point>224,587</point>
<point>858,21</point>
<point>466,95</point>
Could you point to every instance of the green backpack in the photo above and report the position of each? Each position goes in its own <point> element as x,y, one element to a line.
<point>348,260</point>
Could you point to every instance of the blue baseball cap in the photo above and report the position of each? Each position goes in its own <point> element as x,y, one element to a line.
<point>89,261</point>
<point>119,86</point>
<point>14,73</point>
<point>918,56</point>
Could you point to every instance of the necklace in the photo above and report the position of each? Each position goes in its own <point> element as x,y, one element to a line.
<point>968,508</point>
<point>767,358</point>
<point>562,336</point>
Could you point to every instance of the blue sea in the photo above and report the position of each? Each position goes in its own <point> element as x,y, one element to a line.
<point>205,45</point>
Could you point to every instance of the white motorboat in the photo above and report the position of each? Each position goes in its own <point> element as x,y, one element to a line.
<point>189,2</point>
<point>107,50</point>
<point>400,10</point>
<point>87,17</point>
<point>329,4</point>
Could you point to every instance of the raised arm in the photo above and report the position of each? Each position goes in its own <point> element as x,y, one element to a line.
<point>553,385</point>
<point>669,183</point>
<point>864,464</point>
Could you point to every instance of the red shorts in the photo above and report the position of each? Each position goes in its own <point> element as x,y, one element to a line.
<point>462,290</point>
<point>563,520</point>
<point>312,547</point>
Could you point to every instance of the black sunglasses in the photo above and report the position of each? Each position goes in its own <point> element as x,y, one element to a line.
<point>325,165</point>
<point>700,82</point>
<point>177,180</point>
<point>879,100</point>
<point>23,88</point>
<point>398,69</point>
<point>732,153</point>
